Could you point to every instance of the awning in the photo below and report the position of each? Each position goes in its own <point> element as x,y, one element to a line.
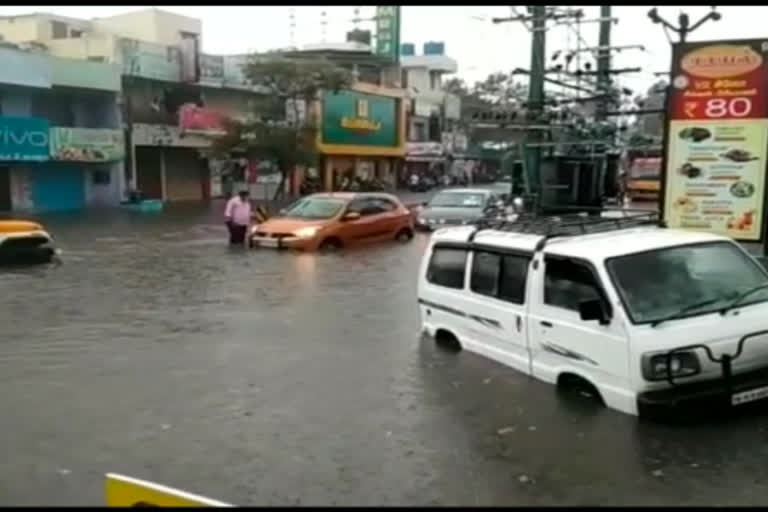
<point>424,158</point>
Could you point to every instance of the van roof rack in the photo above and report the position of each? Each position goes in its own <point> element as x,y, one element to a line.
<point>570,224</point>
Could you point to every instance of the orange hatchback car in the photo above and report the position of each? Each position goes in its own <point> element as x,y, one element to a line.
<point>334,220</point>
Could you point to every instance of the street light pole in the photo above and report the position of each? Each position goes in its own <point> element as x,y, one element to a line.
<point>684,23</point>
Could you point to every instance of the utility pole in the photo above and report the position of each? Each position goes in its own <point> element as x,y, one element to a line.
<point>604,58</point>
<point>536,93</point>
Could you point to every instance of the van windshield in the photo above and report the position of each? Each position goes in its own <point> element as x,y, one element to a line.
<point>657,285</point>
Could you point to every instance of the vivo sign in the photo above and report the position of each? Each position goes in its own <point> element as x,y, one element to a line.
<point>24,139</point>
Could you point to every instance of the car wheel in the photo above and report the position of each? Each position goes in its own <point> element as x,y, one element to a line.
<point>330,245</point>
<point>404,235</point>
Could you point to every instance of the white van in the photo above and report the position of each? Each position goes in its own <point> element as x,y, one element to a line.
<point>645,317</point>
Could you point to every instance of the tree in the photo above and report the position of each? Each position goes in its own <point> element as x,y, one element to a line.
<point>500,90</point>
<point>282,128</point>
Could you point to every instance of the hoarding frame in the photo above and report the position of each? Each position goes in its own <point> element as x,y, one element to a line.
<point>679,49</point>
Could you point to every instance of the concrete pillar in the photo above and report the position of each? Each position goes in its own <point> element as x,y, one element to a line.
<point>328,173</point>
<point>163,184</point>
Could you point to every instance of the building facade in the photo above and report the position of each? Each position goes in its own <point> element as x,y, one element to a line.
<point>362,134</point>
<point>61,146</point>
<point>433,114</point>
<point>174,99</point>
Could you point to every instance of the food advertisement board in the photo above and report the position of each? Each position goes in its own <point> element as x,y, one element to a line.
<point>717,136</point>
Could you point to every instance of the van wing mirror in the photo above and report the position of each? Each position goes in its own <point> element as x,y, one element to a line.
<point>593,310</point>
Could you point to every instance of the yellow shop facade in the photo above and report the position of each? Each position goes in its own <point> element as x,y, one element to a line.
<point>361,134</point>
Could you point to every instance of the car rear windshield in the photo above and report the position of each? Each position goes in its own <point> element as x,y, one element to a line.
<point>458,200</point>
<point>656,284</point>
<point>315,208</point>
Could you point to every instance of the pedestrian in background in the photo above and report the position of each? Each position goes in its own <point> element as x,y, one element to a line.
<point>238,215</point>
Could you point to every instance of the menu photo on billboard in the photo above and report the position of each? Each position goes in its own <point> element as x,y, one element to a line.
<point>717,139</point>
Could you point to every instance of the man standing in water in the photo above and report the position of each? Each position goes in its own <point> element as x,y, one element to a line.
<point>238,215</point>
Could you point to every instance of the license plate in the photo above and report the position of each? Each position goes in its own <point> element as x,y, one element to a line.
<point>267,242</point>
<point>749,396</point>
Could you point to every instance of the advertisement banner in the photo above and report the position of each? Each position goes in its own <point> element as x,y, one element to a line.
<point>86,144</point>
<point>353,118</point>
<point>24,139</point>
<point>388,31</point>
<point>194,119</point>
<point>715,159</point>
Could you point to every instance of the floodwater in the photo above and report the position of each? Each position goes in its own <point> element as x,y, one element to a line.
<point>264,378</point>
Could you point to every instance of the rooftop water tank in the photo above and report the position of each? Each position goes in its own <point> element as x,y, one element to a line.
<point>407,49</point>
<point>359,36</point>
<point>434,48</point>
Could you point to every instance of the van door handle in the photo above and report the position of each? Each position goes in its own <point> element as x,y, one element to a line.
<point>519,323</point>
<point>545,323</point>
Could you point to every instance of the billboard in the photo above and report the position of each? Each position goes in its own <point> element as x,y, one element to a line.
<point>388,31</point>
<point>717,137</point>
<point>86,144</point>
<point>24,139</point>
<point>204,121</point>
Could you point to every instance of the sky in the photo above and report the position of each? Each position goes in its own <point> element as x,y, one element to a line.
<point>479,46</point>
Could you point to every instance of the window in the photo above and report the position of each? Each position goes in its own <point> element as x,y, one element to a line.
<point>385,205</point>
<point>514,275</point>
<point>568,283</point>
<point>486,268</point>
<point>500,276</point>
<point>434,80</point>
<point>94,58</point>
<point>404,79</point>
<point>100,178</point>
<point>76,34</point>
<point>58,30</point>
<point>447,267</point>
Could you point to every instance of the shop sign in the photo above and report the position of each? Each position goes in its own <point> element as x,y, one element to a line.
<point>423,148</point>
<point>388,31</point>
<point>715,159</point>
<point>645,168</point>
<point>86,144</point>
<point>123,491</point>
<point>358,119</point>
<point>194,119</point>
<point>24,139</point>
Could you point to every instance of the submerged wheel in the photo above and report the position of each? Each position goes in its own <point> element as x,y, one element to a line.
<point>576,388</point>
<point>404,235</point>
<point>330,244</point>
<point>447,341</point>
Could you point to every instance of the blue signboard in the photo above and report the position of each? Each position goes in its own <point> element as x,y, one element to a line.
<point>24,139</point>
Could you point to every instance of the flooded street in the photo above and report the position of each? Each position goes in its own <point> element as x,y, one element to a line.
<point>265,378</point>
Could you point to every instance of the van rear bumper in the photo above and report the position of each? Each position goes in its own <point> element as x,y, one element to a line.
<point>704,396</point>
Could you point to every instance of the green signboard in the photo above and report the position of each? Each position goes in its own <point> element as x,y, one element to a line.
<point>86,144</point>
<point>357,119</point>
<point>388,31</point>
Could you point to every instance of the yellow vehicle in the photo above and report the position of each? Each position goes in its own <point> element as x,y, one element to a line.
<point>644,180</point>
<point>25,242</point>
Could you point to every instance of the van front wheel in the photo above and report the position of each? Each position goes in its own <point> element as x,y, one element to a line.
<point>577,388</point>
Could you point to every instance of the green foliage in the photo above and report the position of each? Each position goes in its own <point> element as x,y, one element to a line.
<point>282,128</point>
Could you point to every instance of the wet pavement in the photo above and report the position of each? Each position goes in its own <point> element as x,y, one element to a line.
<point>261,378</point>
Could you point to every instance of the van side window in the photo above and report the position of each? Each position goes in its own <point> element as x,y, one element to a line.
<point>447,267</point>
<point>514,274</point>
<point>486,268</point>
<point>567,283</point>
<point>500,276</point>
